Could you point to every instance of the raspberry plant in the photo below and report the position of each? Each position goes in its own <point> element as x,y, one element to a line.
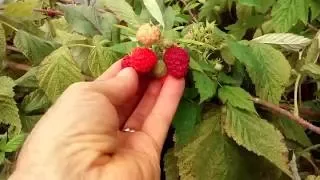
<point>251,104</point>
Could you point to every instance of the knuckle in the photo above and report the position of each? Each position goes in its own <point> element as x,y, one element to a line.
<point>78,86</point>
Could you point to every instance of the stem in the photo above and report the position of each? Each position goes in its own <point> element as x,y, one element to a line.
<point>288,114</point>
<point>312,27</point>
<point>68,2</point>
<point>17,66</point>
<point>296,90</point>
<point>81,45</point>
<point>12,48</point>
<point>314,147</point>
<point>9,25</point>
<point>49,11</point>
<point>190,12</point>
<point>125,28</point>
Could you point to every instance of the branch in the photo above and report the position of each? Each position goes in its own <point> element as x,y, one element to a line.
<point>17,66</point>
<point>312,27</point>
<point>49,12</point>
<point>288,114</point>
<point>68,2</point>
<point>304,111</point>
<point>25,67</point>
<point>190,12</point>
<point>12,48</point>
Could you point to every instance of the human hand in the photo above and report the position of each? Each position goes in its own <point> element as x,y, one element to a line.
<point>81,137</point>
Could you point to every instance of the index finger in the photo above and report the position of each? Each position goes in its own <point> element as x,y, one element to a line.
<point>111,71</point>
<point>158,122</point>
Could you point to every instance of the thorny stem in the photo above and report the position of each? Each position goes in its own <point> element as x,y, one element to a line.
<point>288,114</point>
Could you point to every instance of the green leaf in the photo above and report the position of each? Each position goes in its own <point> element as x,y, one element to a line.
<point>185,120</point>
<point>228,80</point>
<point>206,87</point>
<point>2,159</point>
<point>169,18</point>
<point>227,56</point>
<point>28,122</point>
<point>60,33</point>
<point>286,40</point>
<point>315,9</point>
<point>57,72</point>
<point>23,10</point>
<point>14,143</point>
<point>222,157</point>
<point>34,102</point>
<point>100,59</point>
<point>286,14</point>
<point>18,24</point>
<point>29,79</point>
<point>124,48</point>
<point>250,2</point>
<point>83,19</point>
<point>236,97</point>
<point>239,29</point>
<point>311,70</point>
<point>9,112</point>
<point>154,10</point>
<point>3,45</point>
<point>293,131</point>
<point>123,10</point>
<point>170,165</point>
<point>261,5</point>
<point>258,136</point>
<point>265,5</point>
<point>194,65</point>
<point>6,87</point>
<point>33,47</point>
<point>267,67</point>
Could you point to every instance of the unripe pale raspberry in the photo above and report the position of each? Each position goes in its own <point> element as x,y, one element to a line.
<point>142,60</point>
<point>177,61</point>
<point>218,67</point>
<point>148,34</point>
<point>160,69</point>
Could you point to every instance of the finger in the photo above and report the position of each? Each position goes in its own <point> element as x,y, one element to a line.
<point>145,106</point>
<point>120,88</point>
<point>158,122</point>
<point>111,71</point>
<point>127,109</point>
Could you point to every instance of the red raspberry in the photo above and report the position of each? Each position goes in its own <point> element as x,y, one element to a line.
<point>141,59</point>
<point>177,61</point>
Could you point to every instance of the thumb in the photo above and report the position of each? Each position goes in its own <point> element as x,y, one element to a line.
<point>120,88</point>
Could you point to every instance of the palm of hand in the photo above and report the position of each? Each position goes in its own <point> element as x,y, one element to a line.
<point>80,137</point>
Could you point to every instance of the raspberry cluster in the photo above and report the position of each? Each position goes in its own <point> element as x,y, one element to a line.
<point>144,60</point>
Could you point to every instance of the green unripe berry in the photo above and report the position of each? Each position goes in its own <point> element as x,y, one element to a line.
<point>160,69</point>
